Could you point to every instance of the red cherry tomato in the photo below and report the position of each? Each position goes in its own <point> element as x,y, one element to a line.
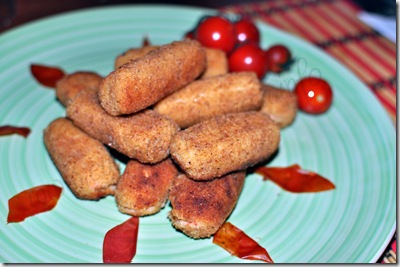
<point>189,34</point>
<point>278,58</point>
<point>216,32</point>
<point>314,95</point>
<point>246,32</point>
<point>248,57</point>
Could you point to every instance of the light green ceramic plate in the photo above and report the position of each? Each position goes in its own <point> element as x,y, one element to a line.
<point>353,145</point>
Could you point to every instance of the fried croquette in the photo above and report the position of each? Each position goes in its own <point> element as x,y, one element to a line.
<point>210,97</point>
<point>226,143</point>
<point>83,162</point>
<point>143,188</point>
<point>73,83</point>
<point>199,208</point>
<point>279,104</point>
<point>144,136</point>
<point>132,54</point>
<point>217,63</point>
<point>147,79</point>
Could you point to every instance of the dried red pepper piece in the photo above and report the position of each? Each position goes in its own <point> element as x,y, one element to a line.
<point>32,201</point>
<point>9,129</point>
<point>237,243</point>
<point>146,41</point>
<point>47,75</point>
<point>295,179</point>
<point>119,245</point>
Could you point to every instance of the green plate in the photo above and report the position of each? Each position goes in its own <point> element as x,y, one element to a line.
<point>353,145</point>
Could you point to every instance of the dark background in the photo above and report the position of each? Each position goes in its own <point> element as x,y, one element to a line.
<point>17,12</point>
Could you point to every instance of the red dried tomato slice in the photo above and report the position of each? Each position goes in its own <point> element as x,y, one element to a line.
<point>47,75</point>
<point>295,179</point>
<point>8,130</point>
<point>119,245</point>
<point>237,243</point>
<point>32,201</point>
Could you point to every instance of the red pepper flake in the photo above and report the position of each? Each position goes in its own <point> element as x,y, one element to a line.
<point>238,244</point>
<point>47,75</point>
<point>295,179</point>
<point>146,41</point>
<point>32,201</point>
<point>119,245</point>
<point>9,130</point>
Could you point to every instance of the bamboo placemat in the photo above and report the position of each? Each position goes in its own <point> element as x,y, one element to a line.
<point>333,26</point>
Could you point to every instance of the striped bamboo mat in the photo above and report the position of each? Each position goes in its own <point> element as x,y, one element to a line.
<point>333,26</point>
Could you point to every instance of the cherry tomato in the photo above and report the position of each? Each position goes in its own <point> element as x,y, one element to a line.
<point>314,95</point>
<point>248,57</point>
<point>246,32</point>
<point>189,34</point>
<point>278,58</point>
<point>216,32</point>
